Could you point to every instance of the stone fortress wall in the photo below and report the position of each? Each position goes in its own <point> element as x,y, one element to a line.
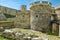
<point>57,10</point>
<point>8,10</point>
<point>37,18</point>
<point>23,18</point>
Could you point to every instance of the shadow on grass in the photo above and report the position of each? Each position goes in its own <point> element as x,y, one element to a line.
<point>50,33</point>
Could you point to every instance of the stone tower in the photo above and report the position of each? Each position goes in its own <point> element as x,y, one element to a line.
<point>40,15</point>
<point>23,8</point>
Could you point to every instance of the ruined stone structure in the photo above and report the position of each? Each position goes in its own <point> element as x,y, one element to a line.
<point>54,24</point>
<point>39,17</point>
<point>8,10</point>
<point>7,24</point>
<point>2,16</point>
<point>57,10</point>
<point>23,18</point>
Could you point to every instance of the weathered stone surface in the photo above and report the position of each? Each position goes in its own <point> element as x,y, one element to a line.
<point>1,29</point>
<point>40,21</point>
<point>2,16</point>
<point>40,16</point>
<point>23,20</point>
<point>59,30</point>
<point>45,39</point>
<point>19,36</point>
<point>27,38</point>
<point>7,25</point>
<point>36,38</point>
<point>8,10</point>
<point>55,28</point>
<point>57,11</point>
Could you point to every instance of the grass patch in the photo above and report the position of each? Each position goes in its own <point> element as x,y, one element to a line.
<point>5,38</point>
<point>6,21</point>
<point>2,38</point>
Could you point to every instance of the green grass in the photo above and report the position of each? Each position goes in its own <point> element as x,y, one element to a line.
<point>2,38</point>
<point>6,21</point>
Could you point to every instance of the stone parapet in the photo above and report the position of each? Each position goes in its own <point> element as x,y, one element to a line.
<point>40,3</point>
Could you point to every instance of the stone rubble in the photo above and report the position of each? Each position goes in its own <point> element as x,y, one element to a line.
<point>20,36</point>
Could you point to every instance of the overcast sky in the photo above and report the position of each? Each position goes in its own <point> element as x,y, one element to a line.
<point>16,4</point>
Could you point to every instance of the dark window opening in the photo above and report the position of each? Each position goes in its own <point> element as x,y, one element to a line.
<point>36,15</point>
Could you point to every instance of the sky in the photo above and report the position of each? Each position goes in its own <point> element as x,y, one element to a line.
<point>16,4</point>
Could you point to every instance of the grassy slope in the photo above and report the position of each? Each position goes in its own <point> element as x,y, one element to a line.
<point>51,37</point>
<point>2,38</point>
<point>6,21</point>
